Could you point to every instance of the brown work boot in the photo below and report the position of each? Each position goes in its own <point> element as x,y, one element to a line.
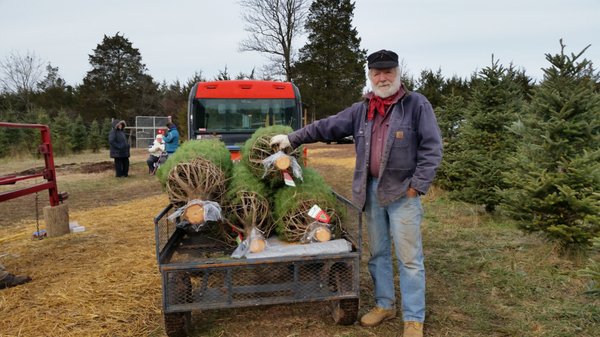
<point>13,280</point>
<point>413,329</point>
<point>376,316</point>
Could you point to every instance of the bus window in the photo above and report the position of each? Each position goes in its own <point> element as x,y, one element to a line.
<point>233,110</point>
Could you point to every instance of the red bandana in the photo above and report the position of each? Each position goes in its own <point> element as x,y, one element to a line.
<point>381,104</point>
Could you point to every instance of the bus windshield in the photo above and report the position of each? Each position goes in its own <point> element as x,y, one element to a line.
<point>243,114</point>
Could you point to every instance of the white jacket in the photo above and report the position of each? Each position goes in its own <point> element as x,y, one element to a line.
<point>157,148</point>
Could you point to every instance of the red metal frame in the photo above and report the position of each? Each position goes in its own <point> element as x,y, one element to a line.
<point>49,172</point>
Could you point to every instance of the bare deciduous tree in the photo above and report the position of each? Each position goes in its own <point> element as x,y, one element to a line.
<point>20,74</point>
<point>273,26</point>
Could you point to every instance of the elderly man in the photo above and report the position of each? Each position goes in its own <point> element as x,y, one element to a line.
<point>398,149</point>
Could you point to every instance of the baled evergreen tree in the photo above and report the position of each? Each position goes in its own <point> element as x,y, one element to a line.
<point>95,137</point>
<point>477,159</point>
<point>555,183</point>
<point>330,72</point>
<point>79,135</point>
<point>118,84</point>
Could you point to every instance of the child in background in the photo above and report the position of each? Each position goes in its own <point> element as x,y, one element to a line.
<point>157,148</point>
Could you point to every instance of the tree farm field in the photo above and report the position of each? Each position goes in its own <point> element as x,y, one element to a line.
<point>484,276</point>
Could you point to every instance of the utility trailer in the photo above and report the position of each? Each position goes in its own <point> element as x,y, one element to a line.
<point>198,274</point>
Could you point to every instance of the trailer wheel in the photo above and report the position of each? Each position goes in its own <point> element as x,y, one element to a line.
<point>344,311</point>
<point>176,324</point>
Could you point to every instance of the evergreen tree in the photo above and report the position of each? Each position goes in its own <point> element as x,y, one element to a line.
<point>474,166</point>
<point>95,137</point>
<point>555,183</point>
<point>79,135</point>
<point>450,118</point>
<point>118,85</point>
<point>61,133</point>
<point>456,86</point>
<point>4,142</point>
<point>42,117</point>
<point>330,72</point>
<point>11,137</point>
<point>430,84</point>
<point>106,127</point>
<point>54,94</point>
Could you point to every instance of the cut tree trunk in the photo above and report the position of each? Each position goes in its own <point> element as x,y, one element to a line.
<point>57,220</point>
<point>194,214</point>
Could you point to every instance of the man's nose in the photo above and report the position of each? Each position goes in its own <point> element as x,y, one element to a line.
<point>380,77</point>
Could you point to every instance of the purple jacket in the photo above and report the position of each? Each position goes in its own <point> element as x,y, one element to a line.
<point>412,152</point>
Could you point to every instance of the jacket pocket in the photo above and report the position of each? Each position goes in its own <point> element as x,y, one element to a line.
<point>403,152</point>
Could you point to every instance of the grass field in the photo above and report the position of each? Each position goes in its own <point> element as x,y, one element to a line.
<point>484,277</point>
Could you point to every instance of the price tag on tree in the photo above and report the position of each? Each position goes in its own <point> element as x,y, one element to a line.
<point>317,213</point>
<point>287,178</point>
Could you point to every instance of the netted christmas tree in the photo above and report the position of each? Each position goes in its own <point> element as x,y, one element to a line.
<point>257,149</point>
<point>291,207</point>
<point>555,183</point>
<point>197,170</point>
<point>247,203</point>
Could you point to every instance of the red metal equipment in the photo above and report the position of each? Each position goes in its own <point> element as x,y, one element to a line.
<point>49,172</point>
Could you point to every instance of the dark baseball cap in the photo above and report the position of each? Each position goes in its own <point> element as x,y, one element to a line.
<point>382,59</point>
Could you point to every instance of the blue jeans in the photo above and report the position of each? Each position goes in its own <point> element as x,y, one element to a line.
<point>400,223</point>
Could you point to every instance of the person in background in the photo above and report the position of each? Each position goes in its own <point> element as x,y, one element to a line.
<point>398,150</point>
<point>8,280</point>
<point>171,139</point>
<point>156,149</point>
<point>119,148</point>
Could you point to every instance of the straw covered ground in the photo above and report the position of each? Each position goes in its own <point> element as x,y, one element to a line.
<point>101,282</point>
<point>484,277</point>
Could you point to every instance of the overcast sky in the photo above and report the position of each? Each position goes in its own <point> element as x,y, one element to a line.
<point>179,37</point>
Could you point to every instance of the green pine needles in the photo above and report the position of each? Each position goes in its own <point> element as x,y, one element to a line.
<point>555,176</point>
<point>213,150</point>
<point>292,205</point>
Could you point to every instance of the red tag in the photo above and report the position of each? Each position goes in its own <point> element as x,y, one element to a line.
<point>287,178</point>
<point>319,214</point>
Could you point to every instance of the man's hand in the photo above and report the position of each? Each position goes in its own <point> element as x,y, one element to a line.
<point>280,140</point>
<point>412,193</point>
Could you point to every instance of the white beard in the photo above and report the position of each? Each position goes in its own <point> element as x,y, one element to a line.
<point>386,90</point>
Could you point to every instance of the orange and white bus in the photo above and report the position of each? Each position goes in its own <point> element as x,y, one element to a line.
<point>233,110</point>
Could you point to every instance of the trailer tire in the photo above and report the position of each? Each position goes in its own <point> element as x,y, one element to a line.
<point>176,323</point>
<point>345,311</point>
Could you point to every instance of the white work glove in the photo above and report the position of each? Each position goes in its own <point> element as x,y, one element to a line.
<point>281,140</point>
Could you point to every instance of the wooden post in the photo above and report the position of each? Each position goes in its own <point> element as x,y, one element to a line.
<point>57,220</point>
